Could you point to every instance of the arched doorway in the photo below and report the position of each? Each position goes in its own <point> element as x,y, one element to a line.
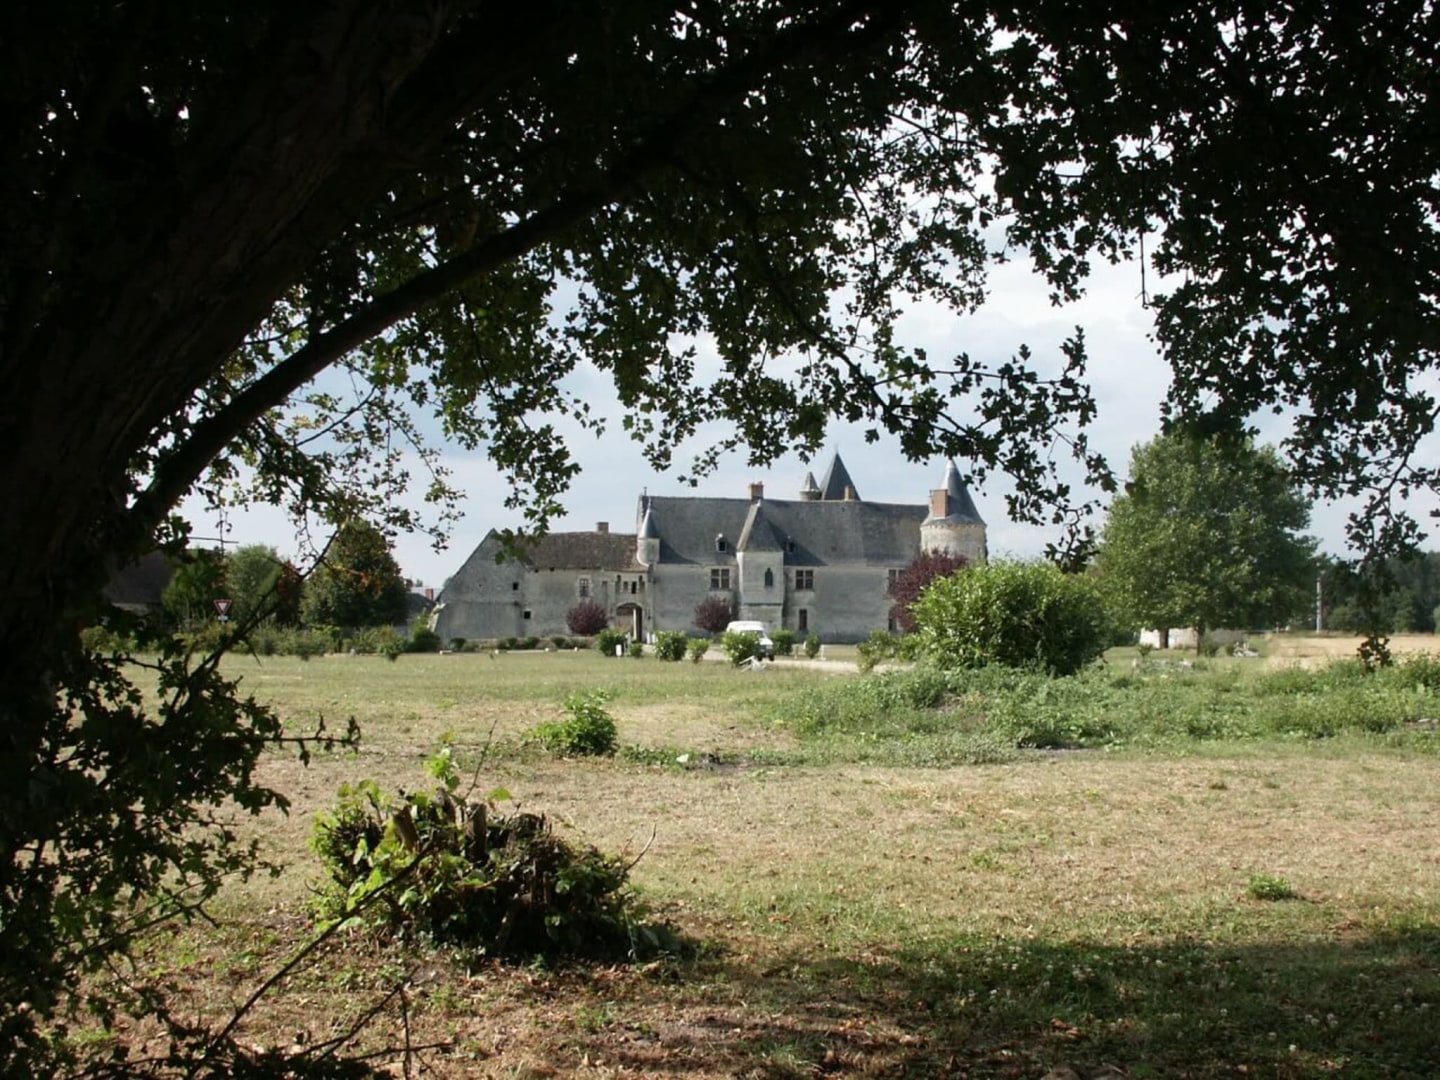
<point>631,619</point>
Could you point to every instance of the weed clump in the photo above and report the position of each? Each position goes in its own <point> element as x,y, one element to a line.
<point>589,730</point>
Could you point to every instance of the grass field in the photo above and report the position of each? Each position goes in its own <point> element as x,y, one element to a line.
<point>1108,909</point>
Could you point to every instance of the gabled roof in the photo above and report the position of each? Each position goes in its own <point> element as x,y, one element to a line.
<point>582,551</point>
<point>821,533</point>
<point>837,479</point>
<point>759,533</point>
<point>141,584</point>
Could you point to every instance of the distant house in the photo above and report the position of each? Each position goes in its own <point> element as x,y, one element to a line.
<point>139,587</point>
<point>820,563</point>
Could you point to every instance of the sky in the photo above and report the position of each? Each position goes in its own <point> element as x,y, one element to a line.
<point>1127,377</point>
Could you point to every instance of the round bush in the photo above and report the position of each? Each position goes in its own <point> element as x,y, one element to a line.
<point>1025,615</point>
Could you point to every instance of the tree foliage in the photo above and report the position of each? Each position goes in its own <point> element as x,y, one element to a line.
<point>255,249</point>
<point>714,613</point>
<point>911,582</point>
<point>586,618</point>
<point>262,586</point>
<point>1208,533</point>
<point>1021,615</point>
<point>358,583</point>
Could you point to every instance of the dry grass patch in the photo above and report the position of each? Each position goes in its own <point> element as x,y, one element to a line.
<point>865,921</point>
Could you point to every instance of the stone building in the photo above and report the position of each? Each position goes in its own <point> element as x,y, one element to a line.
<point>819,563</point>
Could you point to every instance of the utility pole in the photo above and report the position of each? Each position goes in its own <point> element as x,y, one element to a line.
<point>1320,603</point>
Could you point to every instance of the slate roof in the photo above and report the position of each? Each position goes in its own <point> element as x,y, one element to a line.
<point>582,551</point>
<point>837,479</point>
<point>141,585</point>
<point>962,507</point>
<point>822,533</point>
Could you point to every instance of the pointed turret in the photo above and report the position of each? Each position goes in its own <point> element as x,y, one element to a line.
<point>954,525</point>
<point>809,491</point>
<point>837,485</point>
<point>647,540</point>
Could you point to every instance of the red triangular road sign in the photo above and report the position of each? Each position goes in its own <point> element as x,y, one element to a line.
<point>222,608</point>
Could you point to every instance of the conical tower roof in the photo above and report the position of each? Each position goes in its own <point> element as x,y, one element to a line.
<point>837,479</point>
<point>961,505</point>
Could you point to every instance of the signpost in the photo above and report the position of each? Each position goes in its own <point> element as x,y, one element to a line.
<point>222,610</point>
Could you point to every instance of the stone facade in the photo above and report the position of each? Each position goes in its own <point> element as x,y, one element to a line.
<point>818,564</point>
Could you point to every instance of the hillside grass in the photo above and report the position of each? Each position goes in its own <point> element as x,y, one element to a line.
<point>887,877</point>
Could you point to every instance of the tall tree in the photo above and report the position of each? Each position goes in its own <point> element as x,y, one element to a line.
<point>358,582</point>
<point>262,585</point>
<point>203,207</point>
<point>1208,533</point>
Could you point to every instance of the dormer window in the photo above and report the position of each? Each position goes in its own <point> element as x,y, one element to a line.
<point>721,544</point>
<point>789,546</point>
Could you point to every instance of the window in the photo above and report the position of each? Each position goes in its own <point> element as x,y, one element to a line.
<point>804,580</point>
<point>790,546</point>
<point>527,613</point>
<point>514,586</point>
<point>802,620</point>
<point>769,578</point>
<point>582,588</point>
<point>894,574</point>
<point>720,544</point>
<point>720,578</point>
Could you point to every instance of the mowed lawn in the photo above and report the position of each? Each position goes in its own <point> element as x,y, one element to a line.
<point>1083,909</point>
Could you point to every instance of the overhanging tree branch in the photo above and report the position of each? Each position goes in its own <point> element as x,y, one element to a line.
<point>862,23</point>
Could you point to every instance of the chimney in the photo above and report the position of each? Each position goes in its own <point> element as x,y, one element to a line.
<point>757,491</point>
<point>849,493</point>
<point>940,503</point>
<point>602,526</point>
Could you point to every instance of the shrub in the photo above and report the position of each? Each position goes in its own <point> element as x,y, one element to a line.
<point>911,582</point>
<point>1016,614</point>
<point>696,648</point>
<point>784,642</point>
<point>812,646</point>
<point>714,613</point>
<point>670,645</point>
<point>423,639</point>
<point>636,650</point>
<point>587,618</point>
<point>559,641</point>
<point>741,645</point>
<point>530,642</point>
<point>877,647</point>
<point>607,639</point>
<point>589,730</point>
<point>458,644</point>
<point>500,885</point>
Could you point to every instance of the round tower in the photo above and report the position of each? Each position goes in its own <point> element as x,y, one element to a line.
<point>647,540</point>
<point>954,526</point>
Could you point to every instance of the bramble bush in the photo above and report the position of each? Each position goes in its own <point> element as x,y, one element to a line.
<point>1027,615</point>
